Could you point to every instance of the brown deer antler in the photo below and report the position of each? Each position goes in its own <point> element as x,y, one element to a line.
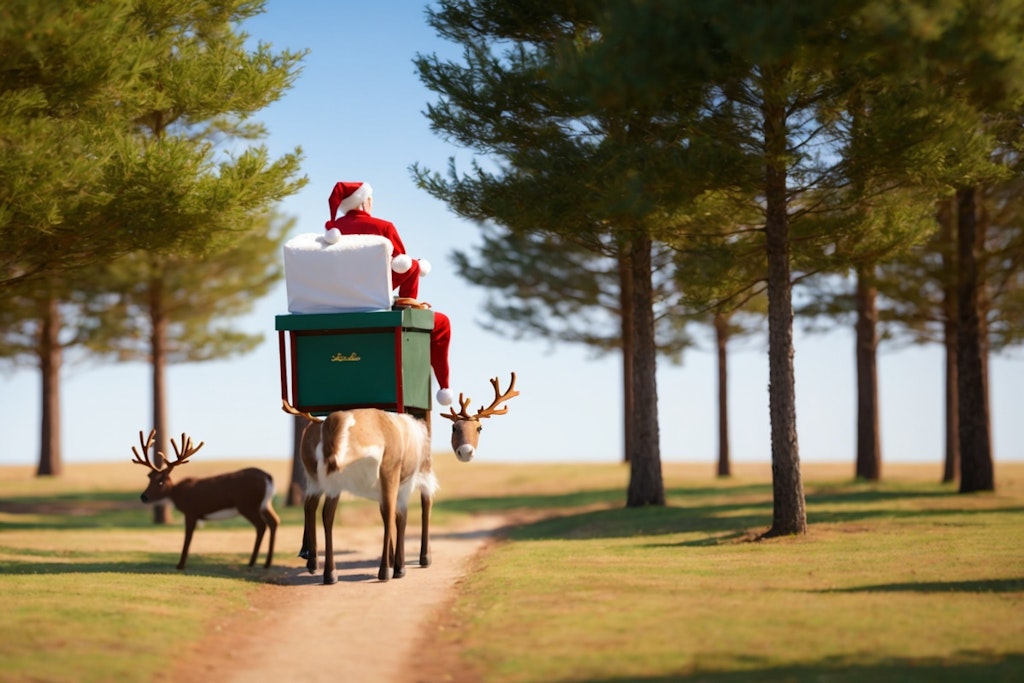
<point>492,409</point>
<point>499,398</point>
<point>146,445</point>
<point>286,407</point>
<point>184,453</point>
<point>462,414</point>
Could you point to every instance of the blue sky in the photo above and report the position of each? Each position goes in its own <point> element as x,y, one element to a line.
<point>356,111</point>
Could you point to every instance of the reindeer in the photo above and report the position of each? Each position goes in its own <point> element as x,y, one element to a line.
<point>249,492</point>
<point>381,456</point>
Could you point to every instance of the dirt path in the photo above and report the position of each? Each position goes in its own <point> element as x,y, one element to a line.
<point>356,630</point>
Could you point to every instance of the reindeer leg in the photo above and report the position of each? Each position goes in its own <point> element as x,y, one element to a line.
<point>401,517</point>
<point>330,508</point>
<point>388,508</point>
<point>426,503</point>
<point>270,515</point>
<point>261,527</point>
<point>308,551</point>
<point>190,527</point>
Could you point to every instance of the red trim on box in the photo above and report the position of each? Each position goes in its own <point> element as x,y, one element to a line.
<point>284,365</point>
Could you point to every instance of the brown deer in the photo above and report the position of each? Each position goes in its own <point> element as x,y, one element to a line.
<point>248,492</point>
<point>381,456</point>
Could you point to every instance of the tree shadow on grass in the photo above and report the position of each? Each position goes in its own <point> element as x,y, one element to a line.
<point>723,516</point>
<point>101,510</point>
<point>961,666</point>
<point>228,566</point>
<point>726,512</point>
<point>1012,585</point>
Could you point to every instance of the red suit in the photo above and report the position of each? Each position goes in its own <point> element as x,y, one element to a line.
<point>349,198</point>
<point>358,222</point>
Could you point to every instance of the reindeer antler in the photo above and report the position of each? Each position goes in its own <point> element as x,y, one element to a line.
<point>286,407</point>
<point>499,398</point>
<point>490,410</point>
<point>184,453</point>
<point>462,414</point>
<point>146,445</point>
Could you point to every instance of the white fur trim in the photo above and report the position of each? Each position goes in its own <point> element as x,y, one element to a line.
<point>332,236</point>
<point>445,397</point>
<point>425,267</point>
<point>401,263</point>
<point>355,199</point>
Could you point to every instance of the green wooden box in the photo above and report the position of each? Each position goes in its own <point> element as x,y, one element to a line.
<point>338,361</point>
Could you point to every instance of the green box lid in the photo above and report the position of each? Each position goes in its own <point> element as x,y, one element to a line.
<point>414,318</point>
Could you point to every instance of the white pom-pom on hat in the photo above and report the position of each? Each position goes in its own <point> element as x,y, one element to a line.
<point>332,236</point>
<point>445,396</point>
<point>425,267</point>
<point>401,263</point>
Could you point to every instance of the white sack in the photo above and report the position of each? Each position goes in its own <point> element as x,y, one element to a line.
<point>353,274</point>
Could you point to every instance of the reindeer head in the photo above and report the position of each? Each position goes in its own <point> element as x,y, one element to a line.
<point>160,483</point>
<point>466,428</point>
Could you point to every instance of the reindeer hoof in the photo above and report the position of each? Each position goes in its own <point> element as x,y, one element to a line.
<point>424,560</point>
<point>304,554</point>
<point>399,573</point>
<point>330,578</point>
<point>384,575</point>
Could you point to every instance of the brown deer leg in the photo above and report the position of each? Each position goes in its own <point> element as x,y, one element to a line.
<point>270,515</point>
<point>330,508</point>
<point>401,517</point>
<point>426,503</point>
<point>190,527</point>
<point>308,551</point>
<point>388,505</point>
<point>261,528</point>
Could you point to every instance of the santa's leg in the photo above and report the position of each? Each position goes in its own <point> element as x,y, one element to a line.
<point>408,283</point>
<point>440,340</point>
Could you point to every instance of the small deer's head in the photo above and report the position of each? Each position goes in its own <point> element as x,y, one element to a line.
<point>466,428</point>
<point>160,484</point>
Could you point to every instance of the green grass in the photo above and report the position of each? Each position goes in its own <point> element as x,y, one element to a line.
<point>901,581</point>
<point>88,588</point>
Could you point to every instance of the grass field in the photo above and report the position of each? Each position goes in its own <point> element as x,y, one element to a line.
<point>901,581</point>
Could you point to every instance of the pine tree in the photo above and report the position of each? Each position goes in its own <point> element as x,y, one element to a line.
<point>69,87</point>
<point>164,185</point>
<point>959,89</point>
<point>174,183</point>
<point>547,286</point>
<point>167,309</point>
<point>503,102</point>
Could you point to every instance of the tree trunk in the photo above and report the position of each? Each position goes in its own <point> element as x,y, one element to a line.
<point>50,360</point>
<point>976,471</point>
<point>721,343</point>
<point>951,460</point>
<point>869,450</point>
<point>158,363</point>
<point>296,489</point>
<point>948,248</point>
<point>789,514</point>
<point>628,334</point>
<point>645,482</point>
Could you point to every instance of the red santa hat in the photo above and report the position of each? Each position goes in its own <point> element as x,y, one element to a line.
<point>347,196</point>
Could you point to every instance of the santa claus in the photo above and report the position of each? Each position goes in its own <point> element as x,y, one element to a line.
<point>354,202</point>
